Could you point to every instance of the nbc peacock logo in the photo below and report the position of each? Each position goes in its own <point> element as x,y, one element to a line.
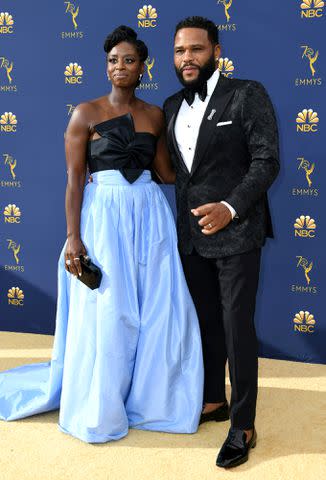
<point>8,122</point>
<point>226,67</point>
<point>73,74</point>
<point>304,322</point>
<point>147,17</point>
<point>312,8</point>
<point>305,227</point>
<point>6,23</point>
<point>15,297</point>
<point>307,121</point>
<point>12,214</point>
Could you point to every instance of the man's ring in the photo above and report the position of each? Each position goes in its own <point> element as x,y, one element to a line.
<point>68,262</point>
<point>210,225</point>
<point>76,258</point>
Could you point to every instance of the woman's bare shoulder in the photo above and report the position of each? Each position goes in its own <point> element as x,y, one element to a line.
<point>155,113</point>
<point>89,111</point>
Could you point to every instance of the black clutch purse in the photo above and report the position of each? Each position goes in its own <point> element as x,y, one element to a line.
<point>91,274</point>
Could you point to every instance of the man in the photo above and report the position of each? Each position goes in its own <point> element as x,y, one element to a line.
<point>223,140</point>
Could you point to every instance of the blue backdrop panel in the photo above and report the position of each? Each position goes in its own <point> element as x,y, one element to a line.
<point>51,59</point>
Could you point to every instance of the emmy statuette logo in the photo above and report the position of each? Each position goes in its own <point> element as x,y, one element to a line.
<point>305,227</point>
<point>148,75</point>
<point>6,23</point>
<point>304,322</point>
<point>10,164</point>
<point>72,11</point>
<point>7,66</point>
<point>312,56</point>
<point>147,17</point>
<point>73,74</point>
<point>308,170</point>
<point>312,8</point>
<point>70,108</point>
<point>309,57</point>
<point>149,65</point>
<point>6,75</point>
<point>307,121</point>
<point>226,5</point>
<point>15,297</point>
<point>12,214</point>
<point>8,122</point>
<point>15,248</point>
<point>305,268</point>
<point>226,67</point>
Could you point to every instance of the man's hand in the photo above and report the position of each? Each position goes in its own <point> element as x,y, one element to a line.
<point>215,217</point>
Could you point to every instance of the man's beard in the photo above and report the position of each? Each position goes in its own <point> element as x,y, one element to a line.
<point>205,72</point>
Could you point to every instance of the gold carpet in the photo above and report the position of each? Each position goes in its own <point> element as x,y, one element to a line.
<point>291,426</point>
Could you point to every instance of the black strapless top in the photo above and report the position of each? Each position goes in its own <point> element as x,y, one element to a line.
<point>121,148</point>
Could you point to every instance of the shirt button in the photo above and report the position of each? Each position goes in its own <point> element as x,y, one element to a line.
<point>189,148</point>
<point>189,126</point>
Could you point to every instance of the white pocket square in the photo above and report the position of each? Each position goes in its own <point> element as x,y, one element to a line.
<point>220,124</point>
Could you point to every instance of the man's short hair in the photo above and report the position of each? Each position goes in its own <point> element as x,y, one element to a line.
<point>200,22</point>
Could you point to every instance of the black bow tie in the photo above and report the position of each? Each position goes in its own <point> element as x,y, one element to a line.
<point>189,93</point>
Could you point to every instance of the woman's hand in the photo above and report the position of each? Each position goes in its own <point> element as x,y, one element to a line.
<point>74,249</point>
<point>76,139</point>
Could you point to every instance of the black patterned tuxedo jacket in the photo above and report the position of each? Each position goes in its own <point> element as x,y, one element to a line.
<point>235,161</point>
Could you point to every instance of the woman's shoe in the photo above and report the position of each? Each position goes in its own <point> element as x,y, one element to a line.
<point>220,414</point>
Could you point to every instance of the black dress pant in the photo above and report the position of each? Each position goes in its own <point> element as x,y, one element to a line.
<point>224,293</point>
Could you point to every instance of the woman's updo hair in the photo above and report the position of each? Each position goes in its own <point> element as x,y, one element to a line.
<point>126,34</point>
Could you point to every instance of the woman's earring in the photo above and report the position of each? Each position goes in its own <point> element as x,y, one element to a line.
<point>109,79</point>
<point>140,77</point>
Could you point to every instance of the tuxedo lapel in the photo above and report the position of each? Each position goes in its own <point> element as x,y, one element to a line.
<point>215,108</point>
<point>171,133</point>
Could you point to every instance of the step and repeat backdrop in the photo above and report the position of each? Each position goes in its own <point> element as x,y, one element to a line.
<point>52,58</point>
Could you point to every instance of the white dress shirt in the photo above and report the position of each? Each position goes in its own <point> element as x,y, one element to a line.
<point>188,121</point>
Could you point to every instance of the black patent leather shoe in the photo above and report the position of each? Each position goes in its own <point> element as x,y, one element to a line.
<point>219,415</point>
<point>235,450</point>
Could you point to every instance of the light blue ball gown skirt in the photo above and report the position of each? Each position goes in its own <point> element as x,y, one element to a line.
<point>127,355</point>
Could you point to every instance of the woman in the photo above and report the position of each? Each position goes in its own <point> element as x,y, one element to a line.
<point>127,354</point>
